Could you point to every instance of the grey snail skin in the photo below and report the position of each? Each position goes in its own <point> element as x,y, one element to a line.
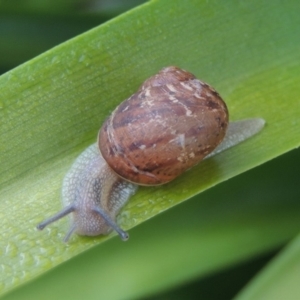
<point>169,125</point>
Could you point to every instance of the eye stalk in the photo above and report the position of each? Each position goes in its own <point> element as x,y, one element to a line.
<point>93,194</point>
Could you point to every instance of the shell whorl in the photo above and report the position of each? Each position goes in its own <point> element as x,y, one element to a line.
<point>170,124</point>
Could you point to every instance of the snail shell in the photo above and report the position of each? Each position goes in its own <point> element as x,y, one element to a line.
<point>170,124</point>
<point>165,128</point>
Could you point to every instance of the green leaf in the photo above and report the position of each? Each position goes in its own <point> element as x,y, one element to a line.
<point>280,279</point>
<point>52,107</point>
<point>214,230</point>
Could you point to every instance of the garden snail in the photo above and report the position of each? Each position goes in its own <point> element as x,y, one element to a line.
<point>169,125</point>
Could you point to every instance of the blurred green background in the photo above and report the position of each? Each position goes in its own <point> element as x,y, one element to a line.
<point>34,26</point>
<point>31,27</point>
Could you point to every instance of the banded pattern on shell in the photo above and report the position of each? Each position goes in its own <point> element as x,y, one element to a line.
<point>169,125</point>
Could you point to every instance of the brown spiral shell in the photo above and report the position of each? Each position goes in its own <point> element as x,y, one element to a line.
<point>169,125</point>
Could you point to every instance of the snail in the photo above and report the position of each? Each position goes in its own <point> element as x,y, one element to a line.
<point>169,125</point>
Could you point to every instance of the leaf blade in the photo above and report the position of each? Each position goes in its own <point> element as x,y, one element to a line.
<point>49,113</point>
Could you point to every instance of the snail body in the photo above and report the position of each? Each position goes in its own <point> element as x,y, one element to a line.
<point>92,191</point>
<point>169,125</point>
